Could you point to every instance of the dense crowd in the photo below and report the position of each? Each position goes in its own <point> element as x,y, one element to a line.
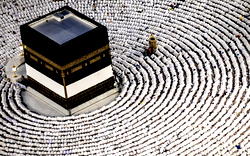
<point>191,97</point>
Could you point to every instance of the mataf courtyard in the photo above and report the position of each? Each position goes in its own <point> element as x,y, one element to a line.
<point>191,97</point>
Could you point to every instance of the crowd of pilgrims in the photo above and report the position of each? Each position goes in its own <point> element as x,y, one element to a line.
<point>190,97</point>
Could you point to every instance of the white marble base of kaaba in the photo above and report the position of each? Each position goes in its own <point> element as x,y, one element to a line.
<point>40,104</point>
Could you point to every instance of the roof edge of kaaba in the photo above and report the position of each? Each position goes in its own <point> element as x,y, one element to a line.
<point>95,39</point>
<point>61,9</point>
<point>26,25</point>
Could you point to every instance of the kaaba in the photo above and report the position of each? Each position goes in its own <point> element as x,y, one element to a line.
<point>67,57</point>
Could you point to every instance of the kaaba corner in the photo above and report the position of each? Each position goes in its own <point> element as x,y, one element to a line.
<point>67,57</point>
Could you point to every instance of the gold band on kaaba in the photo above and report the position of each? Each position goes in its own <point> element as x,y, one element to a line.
<point>69,65</point>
